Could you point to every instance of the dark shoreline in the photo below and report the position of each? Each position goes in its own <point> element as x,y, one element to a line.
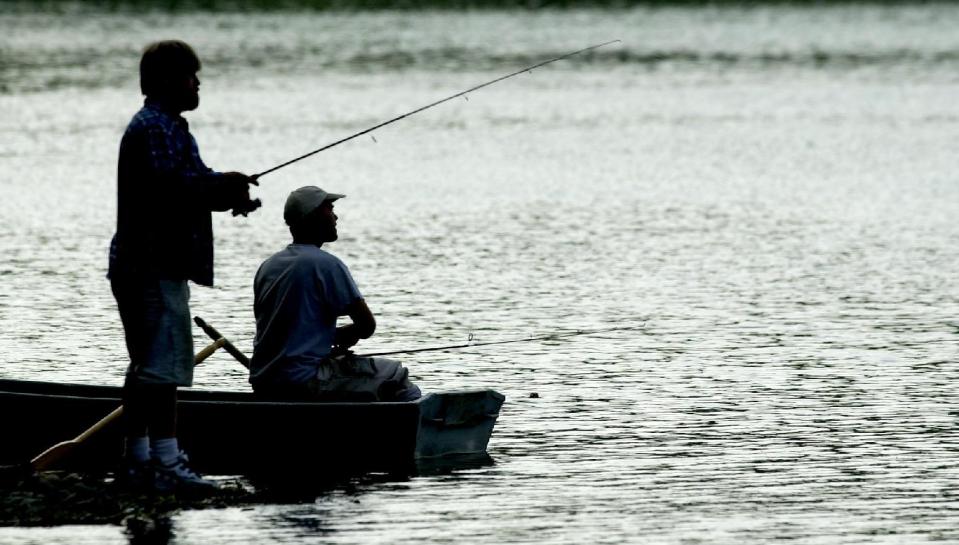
<point>54,498</point>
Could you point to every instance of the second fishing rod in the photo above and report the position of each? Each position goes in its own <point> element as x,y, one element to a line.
<point>470,343</point>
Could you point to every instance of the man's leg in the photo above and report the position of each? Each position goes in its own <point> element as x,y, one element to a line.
<point>172,352</point>
<point>136,449</point>
<point>150,407</point>
<point>149,416</point>
<point>132,306</point>
<point>156,319</point>
<point>396,385</point>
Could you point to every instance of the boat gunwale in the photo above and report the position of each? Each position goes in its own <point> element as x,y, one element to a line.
<point>191,400</point>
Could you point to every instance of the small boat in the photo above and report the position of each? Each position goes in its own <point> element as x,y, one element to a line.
<point>228,433</point>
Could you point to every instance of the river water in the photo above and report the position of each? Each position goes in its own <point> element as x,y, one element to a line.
<point>771,190</point>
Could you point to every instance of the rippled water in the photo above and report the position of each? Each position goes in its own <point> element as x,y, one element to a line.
<point>771,190</point>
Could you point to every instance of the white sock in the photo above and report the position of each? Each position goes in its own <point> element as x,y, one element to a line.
<point>166,450</point>
<point>137,449</point>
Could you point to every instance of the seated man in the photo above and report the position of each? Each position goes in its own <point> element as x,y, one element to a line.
<point>299,293</point>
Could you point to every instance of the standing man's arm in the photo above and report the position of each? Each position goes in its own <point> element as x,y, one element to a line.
<point>198,183</point>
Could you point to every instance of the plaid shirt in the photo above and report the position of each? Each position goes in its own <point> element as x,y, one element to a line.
<point>165,193</point>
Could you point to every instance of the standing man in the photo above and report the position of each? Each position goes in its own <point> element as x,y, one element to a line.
<point>164,238</point>
<point>299,292</point>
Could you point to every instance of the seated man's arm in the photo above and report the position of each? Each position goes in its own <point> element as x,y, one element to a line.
<point>364,324</point>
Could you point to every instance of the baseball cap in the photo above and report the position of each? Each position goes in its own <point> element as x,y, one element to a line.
<point>304,200</point>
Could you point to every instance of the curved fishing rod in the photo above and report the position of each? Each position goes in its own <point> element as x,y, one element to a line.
<point>471,344</point>
<point>428,106</point>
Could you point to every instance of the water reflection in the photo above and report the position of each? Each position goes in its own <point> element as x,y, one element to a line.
<point>306,504</point>
<point>307,483</point>
<point>153,529</point>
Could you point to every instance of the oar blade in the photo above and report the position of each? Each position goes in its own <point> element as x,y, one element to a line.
<point>54,454</point>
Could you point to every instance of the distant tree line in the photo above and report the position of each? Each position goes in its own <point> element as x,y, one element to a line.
<point>320,5</point>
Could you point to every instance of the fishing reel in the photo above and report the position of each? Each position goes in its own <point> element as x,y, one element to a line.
<point>338,352</point>
<point>245,208</point>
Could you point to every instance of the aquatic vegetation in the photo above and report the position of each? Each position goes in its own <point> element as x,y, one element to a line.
<point>53,498</point>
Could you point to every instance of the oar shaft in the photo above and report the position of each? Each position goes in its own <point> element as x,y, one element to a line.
<point>61,450</point>
<point>102,423</point>
<point>227,345</point>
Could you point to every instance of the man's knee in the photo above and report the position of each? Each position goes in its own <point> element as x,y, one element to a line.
<point>149,407</point>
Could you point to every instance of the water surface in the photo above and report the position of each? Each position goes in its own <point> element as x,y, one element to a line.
<point>771,190</point>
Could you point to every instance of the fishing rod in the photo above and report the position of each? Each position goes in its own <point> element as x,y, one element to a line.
<point>428,106</point>
<point>470,344</point>
<point>228,346</point>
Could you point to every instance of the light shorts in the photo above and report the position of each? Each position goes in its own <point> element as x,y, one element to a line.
<point>158,331</point>
<point>348,378</point>
<point>378,378</point>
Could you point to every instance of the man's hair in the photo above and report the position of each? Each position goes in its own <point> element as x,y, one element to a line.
<point>163,61</point>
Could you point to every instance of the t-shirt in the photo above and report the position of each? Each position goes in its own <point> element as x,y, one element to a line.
<point>298,294</point>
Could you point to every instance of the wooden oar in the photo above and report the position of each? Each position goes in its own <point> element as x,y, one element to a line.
<point>227,345</point>
<point>61,450</point>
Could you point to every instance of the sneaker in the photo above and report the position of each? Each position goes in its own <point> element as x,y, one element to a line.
<point>179,477</point>
<point>134,476</point>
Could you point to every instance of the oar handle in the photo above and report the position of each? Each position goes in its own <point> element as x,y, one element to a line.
<point>227,345</point>
<point>209,350</point>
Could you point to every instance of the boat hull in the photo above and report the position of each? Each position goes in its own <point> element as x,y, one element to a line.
<point>235,433</point>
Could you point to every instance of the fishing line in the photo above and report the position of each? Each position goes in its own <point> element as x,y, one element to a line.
<point>470,344</point>
<point>528,69</point>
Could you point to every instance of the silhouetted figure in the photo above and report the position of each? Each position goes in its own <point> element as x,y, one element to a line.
<point>299,293</point>
<point>164,238</point>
